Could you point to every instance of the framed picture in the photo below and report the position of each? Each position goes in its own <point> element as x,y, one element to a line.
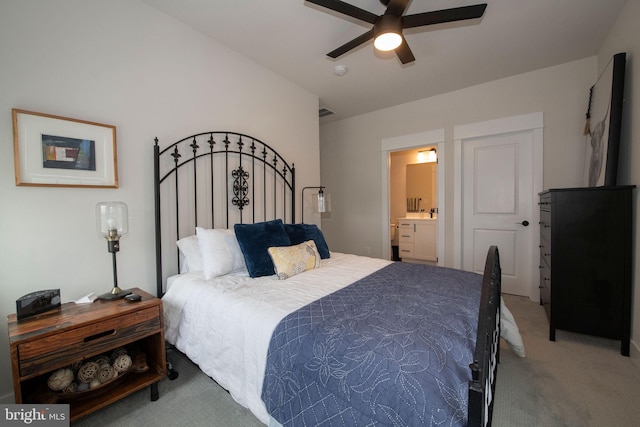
<point>62,152</point>
<point>605,112</point>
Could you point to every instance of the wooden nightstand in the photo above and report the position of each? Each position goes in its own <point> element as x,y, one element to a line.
<point>76,333</point>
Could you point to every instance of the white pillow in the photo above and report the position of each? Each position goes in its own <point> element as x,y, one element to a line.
<point>190,259</point>
<point>220,252</point>
<point>509,330</point>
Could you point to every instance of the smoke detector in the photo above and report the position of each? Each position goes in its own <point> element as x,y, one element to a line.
<point>340,70</point>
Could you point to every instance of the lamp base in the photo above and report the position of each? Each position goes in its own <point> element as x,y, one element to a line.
<point>116,295</point>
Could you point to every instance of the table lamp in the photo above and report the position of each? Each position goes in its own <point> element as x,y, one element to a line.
<point>112,223</point>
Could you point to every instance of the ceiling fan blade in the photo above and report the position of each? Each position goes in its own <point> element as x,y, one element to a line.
<point>351,45</point>
<point>347,9</point>
<point>397,7</point>
<point>444,15</point>
<point>404,52</point>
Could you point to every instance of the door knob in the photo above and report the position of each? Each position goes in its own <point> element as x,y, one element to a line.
<point>525,223</point>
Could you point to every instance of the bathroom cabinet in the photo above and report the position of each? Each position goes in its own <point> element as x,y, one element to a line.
<point>417,239</point>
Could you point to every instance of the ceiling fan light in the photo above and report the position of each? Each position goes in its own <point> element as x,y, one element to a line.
<point>387,41</point>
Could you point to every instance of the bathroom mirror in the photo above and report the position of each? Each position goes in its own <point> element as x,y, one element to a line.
<point>421,187</point>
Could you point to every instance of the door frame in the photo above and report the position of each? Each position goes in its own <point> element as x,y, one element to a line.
<point>527,122</point>
<point>407,142</point>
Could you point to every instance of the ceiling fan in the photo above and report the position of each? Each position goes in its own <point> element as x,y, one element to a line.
<point>387,28</point>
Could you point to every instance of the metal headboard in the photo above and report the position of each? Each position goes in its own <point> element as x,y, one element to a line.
<point>214,180</point>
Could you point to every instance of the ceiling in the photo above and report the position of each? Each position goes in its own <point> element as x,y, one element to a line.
<point>292,38</point>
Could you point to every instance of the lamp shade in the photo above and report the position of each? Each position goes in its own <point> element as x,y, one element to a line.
<point>112,218</point>
<point>324,202</point>
<point>387,41</point>
<point>321,202</point>
<point>387,33</point>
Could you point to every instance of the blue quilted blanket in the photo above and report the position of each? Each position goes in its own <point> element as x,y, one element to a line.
<point>393,348</point>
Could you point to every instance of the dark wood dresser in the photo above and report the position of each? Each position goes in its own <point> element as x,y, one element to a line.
<point>585,261</point>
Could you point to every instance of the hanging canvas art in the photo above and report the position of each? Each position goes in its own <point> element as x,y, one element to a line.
<point>604,119</point>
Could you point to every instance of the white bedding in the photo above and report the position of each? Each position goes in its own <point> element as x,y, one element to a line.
<point>225,324</point>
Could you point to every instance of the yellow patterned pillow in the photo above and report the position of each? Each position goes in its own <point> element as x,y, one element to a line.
<point>291,260</point>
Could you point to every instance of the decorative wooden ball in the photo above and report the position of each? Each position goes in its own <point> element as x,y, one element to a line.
<point>95,383</point>
<point>60,379</point>
<point>107,373</point>
<point>117,352</point>
<point>83,387</point>
<point>71,388</point>
<point>103,360</point>
<point>75,366</point>
<point>88,372</point>
<point>122,363</point>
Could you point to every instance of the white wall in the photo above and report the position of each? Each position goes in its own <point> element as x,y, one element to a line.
<point>123,63</point>
<point>350,148</point>
<point>625,37</point>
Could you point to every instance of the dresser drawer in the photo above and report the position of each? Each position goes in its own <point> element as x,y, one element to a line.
<point>406,251</point>
<point>54,351</point>
<point>545,275</point>
<point>545,286</point>
<point>545,224</point>
<point>545,250</point>
<point>545,202</point>
<point>405,236</point>
<point>405,233</point>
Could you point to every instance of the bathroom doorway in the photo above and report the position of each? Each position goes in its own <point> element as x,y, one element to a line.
<point>397,203</point>
<point>413,191</point>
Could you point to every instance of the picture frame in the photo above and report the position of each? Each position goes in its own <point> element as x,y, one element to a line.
<point>605,113</point>
<point>55,151</point>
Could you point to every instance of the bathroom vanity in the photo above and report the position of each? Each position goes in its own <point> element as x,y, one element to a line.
<point>417,239</point>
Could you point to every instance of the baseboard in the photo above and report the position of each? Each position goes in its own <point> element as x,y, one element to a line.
<point>7,399</point>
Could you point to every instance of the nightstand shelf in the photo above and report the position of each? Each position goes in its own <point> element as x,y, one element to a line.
<point>76,333</point>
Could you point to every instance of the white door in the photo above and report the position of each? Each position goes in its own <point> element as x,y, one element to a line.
<point>497,193</point>
<point>500,176</point>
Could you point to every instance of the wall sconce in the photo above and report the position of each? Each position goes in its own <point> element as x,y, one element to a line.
<point>427,156</point>
<point>322,204</point>
<point>112,223</point>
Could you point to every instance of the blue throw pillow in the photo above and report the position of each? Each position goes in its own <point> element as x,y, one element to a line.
<point>299,233</point>
<point>255,239</point>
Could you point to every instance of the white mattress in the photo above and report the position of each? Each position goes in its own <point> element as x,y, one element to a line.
<point>224,325</point>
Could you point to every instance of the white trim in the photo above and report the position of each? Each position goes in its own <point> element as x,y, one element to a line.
<point>386,221</point>
<point>433,137</point>
<point>528,122</point>
<point>457,203</point>
<point>498,126</point>
<point>404,142</point>
<point>441,205</point>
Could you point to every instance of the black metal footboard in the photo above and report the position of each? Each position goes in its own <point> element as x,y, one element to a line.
<point>487,354</point>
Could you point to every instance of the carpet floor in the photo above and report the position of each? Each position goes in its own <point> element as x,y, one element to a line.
<point>577,380</point>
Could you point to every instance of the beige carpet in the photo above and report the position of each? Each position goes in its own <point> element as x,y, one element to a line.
<point>576,381</point>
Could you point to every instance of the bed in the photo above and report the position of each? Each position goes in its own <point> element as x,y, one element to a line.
<point>300,334</point>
